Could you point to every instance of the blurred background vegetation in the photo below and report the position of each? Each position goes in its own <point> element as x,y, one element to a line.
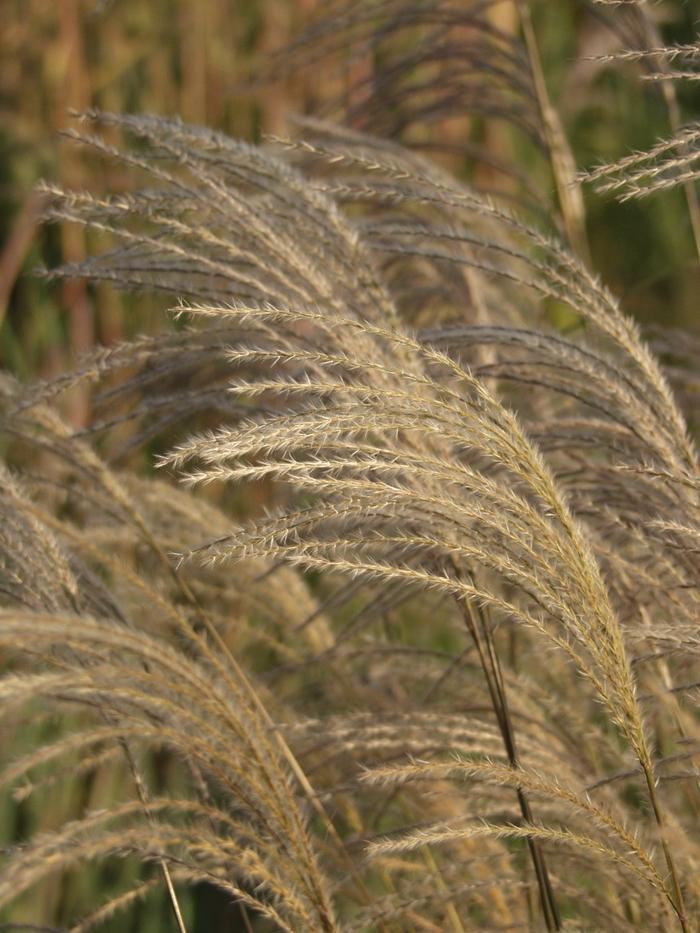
<point>187,58</point>
<point>198,59</point>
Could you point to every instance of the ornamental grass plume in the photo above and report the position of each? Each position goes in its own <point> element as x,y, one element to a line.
<point>446,678</point>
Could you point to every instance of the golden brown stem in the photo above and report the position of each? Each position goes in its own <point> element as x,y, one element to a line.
<point>561,158</point>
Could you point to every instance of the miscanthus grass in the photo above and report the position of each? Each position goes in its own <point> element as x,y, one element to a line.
<point>448,677</point>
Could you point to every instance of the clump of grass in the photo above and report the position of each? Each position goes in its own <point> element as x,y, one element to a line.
<point>447,679</point>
